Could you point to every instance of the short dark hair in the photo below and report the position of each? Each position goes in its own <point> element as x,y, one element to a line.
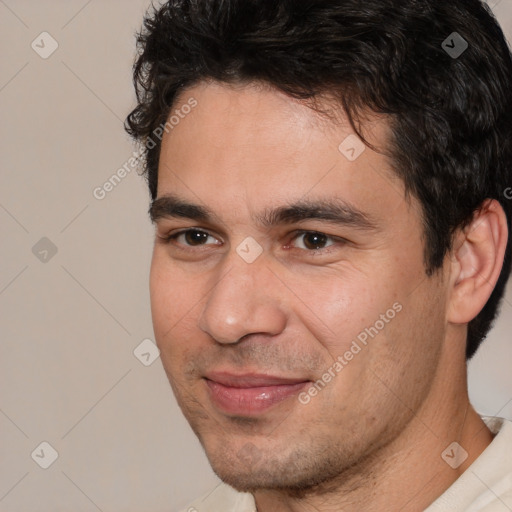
<point>450,115</point>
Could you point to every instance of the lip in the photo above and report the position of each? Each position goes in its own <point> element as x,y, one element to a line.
<point>250,394</point>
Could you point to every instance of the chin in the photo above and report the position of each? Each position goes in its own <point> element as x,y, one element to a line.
<point>293,484</point>
<point>295,474</point>
<point>246,469</point>
<point>245,481</point>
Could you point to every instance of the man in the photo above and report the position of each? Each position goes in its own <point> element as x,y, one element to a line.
<point>328,183</point>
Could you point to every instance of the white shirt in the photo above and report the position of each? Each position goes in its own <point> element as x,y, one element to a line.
<point>486,486</point>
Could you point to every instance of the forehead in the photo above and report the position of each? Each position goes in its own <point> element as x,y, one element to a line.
<point>252,147</point>
<point>262,110</point>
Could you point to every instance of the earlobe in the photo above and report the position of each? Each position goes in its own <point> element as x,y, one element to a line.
<point>477,259</point>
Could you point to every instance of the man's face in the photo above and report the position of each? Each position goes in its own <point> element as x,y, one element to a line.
<point>299,255</point>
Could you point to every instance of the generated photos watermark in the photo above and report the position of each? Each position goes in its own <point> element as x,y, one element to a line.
<point>356,346</point>
<point>132,163</point>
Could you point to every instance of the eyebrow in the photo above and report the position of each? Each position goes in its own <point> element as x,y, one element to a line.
<point>169,206</point>
<point>336,211</point>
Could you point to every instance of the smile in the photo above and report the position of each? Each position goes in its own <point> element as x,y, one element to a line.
<point>250,395</point>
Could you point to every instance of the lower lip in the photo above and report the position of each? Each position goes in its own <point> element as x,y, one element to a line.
<point>250,401</point>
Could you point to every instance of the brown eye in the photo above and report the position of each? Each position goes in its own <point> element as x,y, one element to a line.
<point>314,241</point>
<point>191,238</point>
<point>194,237</point>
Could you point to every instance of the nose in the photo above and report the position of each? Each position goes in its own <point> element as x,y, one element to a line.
<point>246,300</point>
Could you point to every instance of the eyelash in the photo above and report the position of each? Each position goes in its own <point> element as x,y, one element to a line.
<point>172,237</point>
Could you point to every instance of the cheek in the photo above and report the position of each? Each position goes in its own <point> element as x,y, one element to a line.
<point>406,356</point>
<point>382,379</point>
<point>173,301</point>
<point>343,307</point>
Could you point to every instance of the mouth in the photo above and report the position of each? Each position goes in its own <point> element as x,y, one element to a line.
<point>250,394</point>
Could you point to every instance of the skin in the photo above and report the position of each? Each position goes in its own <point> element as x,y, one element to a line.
<point>372,438</point>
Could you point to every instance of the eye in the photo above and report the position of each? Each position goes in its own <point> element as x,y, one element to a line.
<point>312,240</point>
<point>191,238</point>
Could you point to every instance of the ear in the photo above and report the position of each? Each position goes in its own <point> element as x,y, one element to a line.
<point>476,262</point>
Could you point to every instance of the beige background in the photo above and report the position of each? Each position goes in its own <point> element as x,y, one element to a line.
<point>70,324</point>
